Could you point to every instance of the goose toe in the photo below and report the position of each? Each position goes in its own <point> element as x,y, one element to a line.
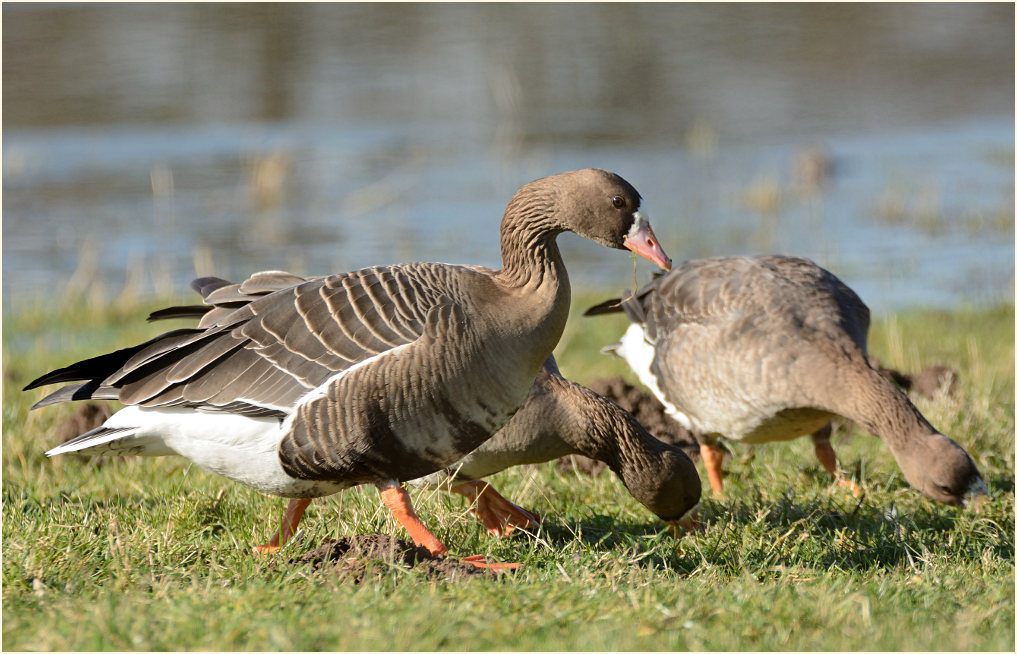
<point>497,514</point>
<point>480,561</point>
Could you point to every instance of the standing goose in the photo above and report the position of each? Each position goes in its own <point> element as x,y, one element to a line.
<point>758,349</point>
<point>376,376</point>
<point>558,418</point>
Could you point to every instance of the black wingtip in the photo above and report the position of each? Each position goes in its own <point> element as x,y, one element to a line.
<point>49,378</point>
<point>189,311</point>
<point>85,390</point>
<point>95,368</point>
<point>613,305</point>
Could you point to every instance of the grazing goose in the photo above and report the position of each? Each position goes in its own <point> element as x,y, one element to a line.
<point>757,349</point>
<point>561,417</point>
<point>377,376</point>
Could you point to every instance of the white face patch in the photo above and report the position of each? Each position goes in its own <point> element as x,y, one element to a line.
<point>641,220</point>
<point>976,489</point>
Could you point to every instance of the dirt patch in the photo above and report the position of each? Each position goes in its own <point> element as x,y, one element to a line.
<point>369,556</point>
<point>647,410</point>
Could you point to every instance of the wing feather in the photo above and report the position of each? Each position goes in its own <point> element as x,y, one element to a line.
<point>264,343</point>
<point>342,314</point>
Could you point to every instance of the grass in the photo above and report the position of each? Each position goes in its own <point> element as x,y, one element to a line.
<point>132,554</point>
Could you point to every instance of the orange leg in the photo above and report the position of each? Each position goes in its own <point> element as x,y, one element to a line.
<point>827,457</point>
<point>398,502</point>
<point>294,512</point>
<point>498,514</point>
<point>713,459</point>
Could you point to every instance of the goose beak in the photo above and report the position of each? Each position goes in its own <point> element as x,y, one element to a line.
<point>687,523</point>
<point>643,242</point>
<point>975,503</point>
<point>977,496</point>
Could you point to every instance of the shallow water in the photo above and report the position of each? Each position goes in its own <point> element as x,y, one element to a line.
<point>177,140</point>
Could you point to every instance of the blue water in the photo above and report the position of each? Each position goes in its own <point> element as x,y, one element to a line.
<point>183,140</point>
<point>908,218</point>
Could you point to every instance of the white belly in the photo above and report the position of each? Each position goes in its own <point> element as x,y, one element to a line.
<point>240,448</point>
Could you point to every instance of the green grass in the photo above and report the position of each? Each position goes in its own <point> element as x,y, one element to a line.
<point>153,554</point>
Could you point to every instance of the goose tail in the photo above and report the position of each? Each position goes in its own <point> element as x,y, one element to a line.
<point>93,438</point>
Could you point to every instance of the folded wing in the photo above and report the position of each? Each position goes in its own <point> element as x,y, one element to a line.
<point>262,344</point>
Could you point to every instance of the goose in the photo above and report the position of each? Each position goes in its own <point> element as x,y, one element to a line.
<point>647,410</point>
<point>561,417</point>
<point>376,376</point>
<point>558,418</point>
<point>767,348</point>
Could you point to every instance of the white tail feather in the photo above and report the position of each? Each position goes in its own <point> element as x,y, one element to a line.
<point>100,437</point>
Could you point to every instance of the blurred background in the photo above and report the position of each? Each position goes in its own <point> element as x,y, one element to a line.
<point>145,144</point>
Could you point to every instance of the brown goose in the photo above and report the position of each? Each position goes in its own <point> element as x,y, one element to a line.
<point>757,349</point>
<point>376,376</point>
<point>558,418</point>
<point>561,417</point>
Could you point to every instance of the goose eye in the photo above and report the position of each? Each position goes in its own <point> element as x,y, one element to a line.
<point>618,201</point>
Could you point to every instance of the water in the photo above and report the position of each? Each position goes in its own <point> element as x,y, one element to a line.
<point>168,141</point>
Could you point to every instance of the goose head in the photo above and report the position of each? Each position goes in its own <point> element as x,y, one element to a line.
<point>671,491</point>
<point>941,470</point>
<point>659,475</point>
<point>593,203</point>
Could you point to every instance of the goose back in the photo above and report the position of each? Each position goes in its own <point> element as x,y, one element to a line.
<point>734,344</point>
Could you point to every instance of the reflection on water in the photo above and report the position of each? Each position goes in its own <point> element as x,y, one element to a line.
<point>227,138</point>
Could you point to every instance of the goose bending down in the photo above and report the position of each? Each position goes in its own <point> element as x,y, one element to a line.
<point>561,417</point>
<point>377,376</point>
<point>757,349</point>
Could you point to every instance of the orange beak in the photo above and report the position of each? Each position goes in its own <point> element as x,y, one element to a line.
<point>643,242</point>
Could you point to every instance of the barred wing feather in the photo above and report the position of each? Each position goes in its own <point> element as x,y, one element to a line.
<point>264,343</point>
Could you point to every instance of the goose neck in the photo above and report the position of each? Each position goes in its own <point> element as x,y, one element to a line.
<point>880,408</point>
<point>593,427</point>
<point>530,252</point>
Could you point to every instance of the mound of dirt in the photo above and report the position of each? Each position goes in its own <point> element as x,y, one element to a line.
<point>647,410</point>
<point>368,556</point>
